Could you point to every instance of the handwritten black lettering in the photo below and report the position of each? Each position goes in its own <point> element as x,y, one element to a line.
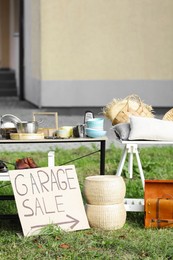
<point>27,207</point>
<point>18,189</point>
<point>60,176</point>
<point>33,184</point>
<point>46,207</point>
<point>69,179</point>
<point>58,204</point>
<point>38,206</point>
<point>53,180</point>
<point>41,174</point>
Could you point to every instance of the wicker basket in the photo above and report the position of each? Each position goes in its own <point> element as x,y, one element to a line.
<point>119,111</point>
<point>169,115</point>
<point>104,189</point>
<point>107,217</point>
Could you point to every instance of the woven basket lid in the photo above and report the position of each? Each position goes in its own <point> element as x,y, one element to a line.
<point>116,105</point>
<point>113,108</point>
<point>169,115</point>
<point>131,105</point>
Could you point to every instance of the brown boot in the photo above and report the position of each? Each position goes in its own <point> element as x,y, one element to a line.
<point>21,164</point>
<point>31,163</point>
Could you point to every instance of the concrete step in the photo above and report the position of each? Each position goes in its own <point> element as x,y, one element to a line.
<point>7,83</point>
<point>7,75</point>
<point>6,92</point>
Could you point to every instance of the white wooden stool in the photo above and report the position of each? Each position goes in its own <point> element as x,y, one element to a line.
<point>131,148</point>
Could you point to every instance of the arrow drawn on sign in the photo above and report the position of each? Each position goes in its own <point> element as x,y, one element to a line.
<point>74,222</point>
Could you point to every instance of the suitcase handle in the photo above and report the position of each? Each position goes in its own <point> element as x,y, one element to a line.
<point>169,221</point>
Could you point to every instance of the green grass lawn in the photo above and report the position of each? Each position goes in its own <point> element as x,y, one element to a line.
<point>133,241</point>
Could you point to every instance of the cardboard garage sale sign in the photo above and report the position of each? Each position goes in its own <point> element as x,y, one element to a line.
<point>48,196</point>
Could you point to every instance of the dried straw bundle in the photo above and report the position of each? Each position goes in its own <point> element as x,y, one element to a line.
<point>119,110</point>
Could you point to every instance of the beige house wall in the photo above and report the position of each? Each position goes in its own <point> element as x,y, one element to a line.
<point>32,58</point>
<point>84,53</point>
<point>107,40</point>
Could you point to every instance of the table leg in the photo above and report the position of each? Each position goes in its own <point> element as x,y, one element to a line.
<point>102,157</point>
<point>140,169</point>
<point>130,165</point>
<point>121,164</point>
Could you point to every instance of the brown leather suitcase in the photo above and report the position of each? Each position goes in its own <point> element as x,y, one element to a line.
<point>158,203</point>
<point>159,212</point>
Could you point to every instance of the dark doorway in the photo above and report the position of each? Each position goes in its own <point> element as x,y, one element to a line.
<point>21,50</point>
<point>12,48</point>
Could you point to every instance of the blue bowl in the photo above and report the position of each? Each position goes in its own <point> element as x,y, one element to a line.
<point>94,133</point>
<point>96,123</point>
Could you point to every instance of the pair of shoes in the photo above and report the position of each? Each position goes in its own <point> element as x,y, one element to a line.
<point>31,163</point>
<point>21,164</point>
<point>3,167</point>
<point>25,163</point>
